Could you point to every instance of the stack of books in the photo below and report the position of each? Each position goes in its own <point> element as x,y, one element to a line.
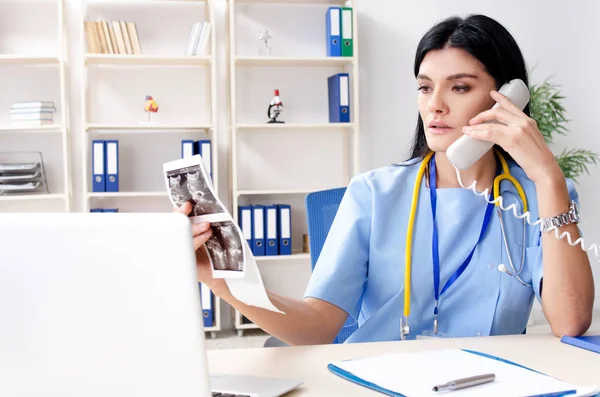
<point>112,37</point>
<point>198,39</point>
<point>32,113</point>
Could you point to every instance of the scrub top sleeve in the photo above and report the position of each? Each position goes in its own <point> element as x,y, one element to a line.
<point>340,274</point>
<point>535,252</point>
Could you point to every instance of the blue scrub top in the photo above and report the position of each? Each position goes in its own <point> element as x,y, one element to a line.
<point>361,266</point>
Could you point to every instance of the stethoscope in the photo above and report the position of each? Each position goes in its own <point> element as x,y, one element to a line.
<point>504,175</point>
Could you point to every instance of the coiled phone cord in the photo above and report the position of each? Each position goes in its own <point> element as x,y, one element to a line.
<point>499,201</point>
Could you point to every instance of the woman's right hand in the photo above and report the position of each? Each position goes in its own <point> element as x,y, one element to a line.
<point>201,232</point>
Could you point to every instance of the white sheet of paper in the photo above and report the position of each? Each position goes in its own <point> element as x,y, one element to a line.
<point>415,374</point>
<point>251,289</point>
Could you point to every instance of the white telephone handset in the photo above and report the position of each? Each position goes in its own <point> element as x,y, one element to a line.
<point>466,151</point>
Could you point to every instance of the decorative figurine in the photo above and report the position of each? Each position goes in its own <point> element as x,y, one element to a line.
<point>265,48</point>
<point>275,109</point>
<point>151,106</point>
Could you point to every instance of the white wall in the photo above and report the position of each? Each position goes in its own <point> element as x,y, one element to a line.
<point>559,38</point>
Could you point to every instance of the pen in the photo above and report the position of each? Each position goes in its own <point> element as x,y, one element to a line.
<point>465,382</point>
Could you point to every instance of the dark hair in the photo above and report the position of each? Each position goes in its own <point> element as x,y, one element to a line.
<point>483,38</point>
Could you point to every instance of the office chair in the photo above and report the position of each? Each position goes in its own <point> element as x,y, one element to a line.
<point>321,208</point>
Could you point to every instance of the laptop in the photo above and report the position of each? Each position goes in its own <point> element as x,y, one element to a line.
<point>100,305</point>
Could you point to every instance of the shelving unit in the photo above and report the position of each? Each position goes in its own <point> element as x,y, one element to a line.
<point>45,56</point>
<point>166,73</point>
<point>256,144</point>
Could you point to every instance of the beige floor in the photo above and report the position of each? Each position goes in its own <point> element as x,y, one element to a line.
<point>256,338</point>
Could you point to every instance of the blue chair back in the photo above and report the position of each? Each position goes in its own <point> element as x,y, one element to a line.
<point>321,208</point>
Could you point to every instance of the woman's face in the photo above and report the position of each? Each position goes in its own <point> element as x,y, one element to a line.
<point>453,88</point>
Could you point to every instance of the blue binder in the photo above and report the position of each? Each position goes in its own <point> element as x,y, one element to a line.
<point>245,223</point>
<point>187,148</point>
<point>333,31</point>
<point>98,166</point>
<point>338,87</point>
<point>111,210</point>
<point>96,210</point>
<point>206,300</point>
<point>284,228</point>
<point>272,245</point>
<point>591,343</point>
<point>258,230</point>
<point>112,166</point>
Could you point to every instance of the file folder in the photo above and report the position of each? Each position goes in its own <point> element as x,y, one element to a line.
<point>272,245</point>
<point>333,29</point>
<point>112,166</point>
<point>284,229</point>
<point>245,223</point>
<point>258,233</point>
<point>338,87</point>
<point>587,342</point>
<point>347,32</point>
<point>187,148</point>
<point>204,149</point>
<point>206,297</point>
<point>413,374</point>
<point>98,166</point>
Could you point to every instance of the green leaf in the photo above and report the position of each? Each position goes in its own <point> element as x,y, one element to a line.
<point>574,162</point>
<point>547,110</point>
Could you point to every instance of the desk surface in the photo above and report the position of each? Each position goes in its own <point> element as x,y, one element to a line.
<point>544,353</point>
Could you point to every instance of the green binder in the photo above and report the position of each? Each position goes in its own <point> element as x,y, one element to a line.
<point>347,32</point>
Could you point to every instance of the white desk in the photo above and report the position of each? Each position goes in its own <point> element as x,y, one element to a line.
<point>544,353</point>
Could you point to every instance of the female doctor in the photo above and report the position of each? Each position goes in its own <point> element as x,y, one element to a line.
<point>458,241</point>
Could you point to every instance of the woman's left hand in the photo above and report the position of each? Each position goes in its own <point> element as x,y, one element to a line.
<point>518,135</point>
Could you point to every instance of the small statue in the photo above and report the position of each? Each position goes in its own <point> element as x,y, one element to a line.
<point>151,106</point>
<point>265,48</point>
<point>275,109</point>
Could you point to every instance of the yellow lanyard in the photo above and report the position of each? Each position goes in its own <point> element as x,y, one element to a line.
<point>411,222</point>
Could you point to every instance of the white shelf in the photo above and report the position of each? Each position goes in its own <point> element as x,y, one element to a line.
<point>145,1</point>
<point>247,326</point>
<point>143,128</point>
<point>21,59</point>
<point>322,2</point>
<point>126,194</point>
<point>292,126</point>
<point>289,61</point>
<point>33,197</point>
<point>47,128</point>
<point>146,60</point>
<point>278,191</point>
<point>35,62</point>
<point>293,257</point>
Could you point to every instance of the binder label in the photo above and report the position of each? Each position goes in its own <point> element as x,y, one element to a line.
<point>247,222</point>
<point>112,159</point>
<point>344,91</point>
<point>335,21</point>
<point>258,225</point>
<point>98,161</point>
<point>285,223</point>
<point>272,223</point>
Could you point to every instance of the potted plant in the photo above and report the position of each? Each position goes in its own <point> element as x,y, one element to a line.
<point>547,110</point>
